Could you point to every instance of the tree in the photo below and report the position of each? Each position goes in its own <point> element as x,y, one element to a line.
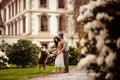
<point>23,53</point>
<point>101,43</point>
<point>74,55</point>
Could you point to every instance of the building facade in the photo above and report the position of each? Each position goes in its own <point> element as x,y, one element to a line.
<point>36,20</point>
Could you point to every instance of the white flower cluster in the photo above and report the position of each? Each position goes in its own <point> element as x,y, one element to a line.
<point>3,59</point>
<point>86,11</point>
<point>85,62</point>
<point>97,30</point>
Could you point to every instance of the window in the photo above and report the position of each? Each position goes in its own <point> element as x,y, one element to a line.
<point>44,23</point>
<point>12,9</point>
<point>24,4</point>
<point>16,28</point>
<point>12,29</point>
<point>61,3</point>
<point>9,11</point>
<point>8,29</point>
<point>24,25</point>
<point>62,23</point>
<point>4,15</point>
<point>4,30</point>
<point>16,7</point>
<point>43,3</point>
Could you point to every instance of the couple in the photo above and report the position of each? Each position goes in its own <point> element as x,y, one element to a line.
<point>62,53</point>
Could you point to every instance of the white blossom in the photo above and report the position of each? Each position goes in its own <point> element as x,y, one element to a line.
<point>100,60</point>
<point>80,18</point>
<point>97,24</point>
<point>92,5</point>
<point>104,50</point>
<point>108,41</point>
<point>94,75</point>
<point>1,54</point>
<point>91,35</point>
<point>85,62</point>
<point>1,61</point>
<point>82,9</point>
<point>3,57</point>
<point>100,42</point>
<point>82,42</point>
<point>110,59</point>
<point>103,16</point>
<point>83,50</point>
<point>118,43</point>
<point>93,25</point>
<point>108,75</point>
<point>88,14</point>
<point>104,33</point>
<point>100,3</point>
<point>87,27</point>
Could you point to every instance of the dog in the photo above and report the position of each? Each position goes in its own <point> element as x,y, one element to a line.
<point>44,55</point>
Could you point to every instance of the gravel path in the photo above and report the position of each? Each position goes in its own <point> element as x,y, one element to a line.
<point>74,74</point>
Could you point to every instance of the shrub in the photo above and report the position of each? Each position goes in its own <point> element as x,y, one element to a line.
<point>74,55</point>
<point>23,53</point>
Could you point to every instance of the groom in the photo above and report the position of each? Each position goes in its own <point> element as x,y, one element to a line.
<point>65,51</point>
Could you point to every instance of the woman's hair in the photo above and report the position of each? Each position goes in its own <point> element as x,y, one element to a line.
<point>56,42</point>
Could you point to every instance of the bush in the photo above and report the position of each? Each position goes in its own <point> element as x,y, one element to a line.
<point>5,47</point>
<point>23,53</point>
<point>74,55</point>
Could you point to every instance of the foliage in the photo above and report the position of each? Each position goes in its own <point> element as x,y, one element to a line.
<point>23,53</point>
<point>5,47</point>
<point>102,38</point>
<point>74,55</point>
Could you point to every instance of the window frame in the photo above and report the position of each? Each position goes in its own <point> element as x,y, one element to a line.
<point>40,6</point>
<point>64,1</point>
<point>65,24</point>
<point>39,17</point>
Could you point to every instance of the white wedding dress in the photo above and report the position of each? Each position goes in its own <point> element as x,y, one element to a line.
<point>59,61</point>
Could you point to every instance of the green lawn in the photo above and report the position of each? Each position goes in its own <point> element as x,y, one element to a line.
<point>19,73</point>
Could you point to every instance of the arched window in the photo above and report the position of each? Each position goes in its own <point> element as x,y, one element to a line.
<point>61,3</point>
<point>44,23</point>
<point>43,3</point>
<point>62,23</point>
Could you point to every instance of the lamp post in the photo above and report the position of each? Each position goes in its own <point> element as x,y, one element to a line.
<point>72,39</point>
<point>3,41</point>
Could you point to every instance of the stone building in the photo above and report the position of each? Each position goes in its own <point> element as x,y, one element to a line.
<point>37,20</point>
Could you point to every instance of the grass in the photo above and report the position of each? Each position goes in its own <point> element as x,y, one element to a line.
<point>19,73</point>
